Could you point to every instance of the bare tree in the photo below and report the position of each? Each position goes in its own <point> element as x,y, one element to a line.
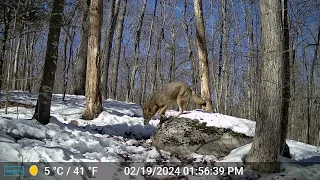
<point>62,67</point>
<point>225,59</point>
<point>71,36</point>
<point>136,52</point>
<point>144,79</point>
<point>202,55</point>
<point>156,65</point>
<point>29,59</point>
<point>304,102</point>
<point>119,31</point>
<point>7,12</point>
<point>93,93</point>
<point>311,89</point>
<point>42,111</point>
<point>265,148</point>
<point>286,76</point>
<point>106,50</point>
<point>172,47</point>
<point>3,48</point>
<point>15,64</point>
<point>80,65</point>
<point>186,28</point>
<point>251,65</point>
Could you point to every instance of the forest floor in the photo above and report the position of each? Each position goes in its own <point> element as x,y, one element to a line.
<point>118,135</point>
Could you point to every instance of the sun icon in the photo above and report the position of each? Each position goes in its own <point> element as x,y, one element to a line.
<point>33,170</point>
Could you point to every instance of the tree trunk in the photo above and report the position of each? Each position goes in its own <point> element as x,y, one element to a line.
<point>24,75</point>
<point>159,40</point>
<point>42,111</point>
<point>225,60</point>
<point>136,52</point>
<point>80,65</point>
<point>93,93</point>
<point>172,49</point>
<point>28,72</point>
<point>24,58</point>
<point>221,56</point>
<point>66,70</point>
<point>61,69</point>
<point>311,88</point>
<point>214,65</point>
<point>25,63</point>
<point>223,75</point>
<point>144,79</point>
<point>202,54</point>
<point>119,31</point>
<point>15,65</point>
<point>10,59</point>
<point>7,87</point>
<point>264,153</point>
<point>106,50</point>
<point>285,76</point>
<point>31,60</point>
<point>191,58</point>
<point>293,103</point>
<point>250,69</point>
<point>128,73</point>
<point>252,90</point>
<point>7,14</point>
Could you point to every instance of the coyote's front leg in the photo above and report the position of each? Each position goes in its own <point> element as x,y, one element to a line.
<point>181,103</point>
<point>162,112</point>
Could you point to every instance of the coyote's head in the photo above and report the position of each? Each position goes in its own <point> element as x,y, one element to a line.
<point>148,112</point>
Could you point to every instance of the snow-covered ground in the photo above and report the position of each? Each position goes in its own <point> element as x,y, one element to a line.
<point>118,135</point>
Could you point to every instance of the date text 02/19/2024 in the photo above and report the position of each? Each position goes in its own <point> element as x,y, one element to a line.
<point>171,171</point>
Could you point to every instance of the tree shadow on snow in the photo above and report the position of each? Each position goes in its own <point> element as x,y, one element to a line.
<point>308,162</point>
<point>124,130</point>
<point>315,159</point>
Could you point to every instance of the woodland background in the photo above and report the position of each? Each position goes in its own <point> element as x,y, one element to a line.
<point>146,44</point>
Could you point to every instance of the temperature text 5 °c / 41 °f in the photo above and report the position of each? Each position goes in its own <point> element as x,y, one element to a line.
<point>70,170</point>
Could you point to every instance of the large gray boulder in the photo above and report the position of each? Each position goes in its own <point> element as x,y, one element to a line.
<point>182,136</point>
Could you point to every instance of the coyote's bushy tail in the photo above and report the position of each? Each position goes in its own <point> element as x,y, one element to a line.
<point>196,99</point>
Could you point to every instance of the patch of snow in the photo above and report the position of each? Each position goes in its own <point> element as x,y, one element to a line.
<point>153,154</point>
<point>6,138</point>
<point>119,135</point>
<point>235,124</point>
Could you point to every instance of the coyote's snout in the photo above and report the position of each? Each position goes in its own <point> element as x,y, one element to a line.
<point>173,93</point>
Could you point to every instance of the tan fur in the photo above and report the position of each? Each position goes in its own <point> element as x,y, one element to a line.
<point>173,93</point>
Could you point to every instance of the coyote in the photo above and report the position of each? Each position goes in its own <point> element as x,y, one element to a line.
<point>173,93</point>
